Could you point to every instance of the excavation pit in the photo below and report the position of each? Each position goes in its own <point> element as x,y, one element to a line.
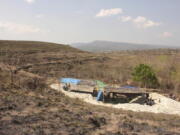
<point>110,94</point>
<point>162,104</point>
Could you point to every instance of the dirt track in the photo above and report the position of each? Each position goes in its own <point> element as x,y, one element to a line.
<point>163,104</point>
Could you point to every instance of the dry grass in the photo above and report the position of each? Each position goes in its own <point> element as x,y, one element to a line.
<point>29,106</point>
<point>53,60</point>
<point>49,112</point>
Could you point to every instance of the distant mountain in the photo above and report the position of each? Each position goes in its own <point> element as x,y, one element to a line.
<point>107,46</point>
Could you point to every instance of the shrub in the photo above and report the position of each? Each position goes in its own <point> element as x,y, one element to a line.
<point>145,75</point>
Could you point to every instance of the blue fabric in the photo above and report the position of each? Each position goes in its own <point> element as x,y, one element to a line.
<point>70,80</point>
<point>129,87</point>
<point>99,95</point>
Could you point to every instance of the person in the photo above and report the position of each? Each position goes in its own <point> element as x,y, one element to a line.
<point>95,91</point>
<point>69,85</point>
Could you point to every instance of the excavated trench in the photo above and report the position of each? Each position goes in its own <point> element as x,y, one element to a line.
<point>161,104</point>
<point>110,97</point>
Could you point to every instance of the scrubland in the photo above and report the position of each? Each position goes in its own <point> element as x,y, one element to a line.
<point>29,106</point>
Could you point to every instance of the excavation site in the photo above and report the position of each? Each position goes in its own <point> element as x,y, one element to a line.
<point>125,97</point>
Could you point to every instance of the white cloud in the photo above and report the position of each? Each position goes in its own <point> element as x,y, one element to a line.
<point>166,34</point>
<point>126,18</point>
<point>39,16</point>
<point>18,28</point>
<point>150,23</point>
<point>140,19</point>
<point>30,1</point>
<point>109,12</point>
<point>143,22</point>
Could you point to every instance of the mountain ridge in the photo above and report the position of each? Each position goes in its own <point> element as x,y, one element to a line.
<point>108,46</point>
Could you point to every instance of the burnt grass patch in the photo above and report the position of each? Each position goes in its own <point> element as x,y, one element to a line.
<point>29,107</point>
<point>58,114</point>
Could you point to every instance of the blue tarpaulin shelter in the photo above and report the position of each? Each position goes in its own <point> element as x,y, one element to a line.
<point>70,80</point>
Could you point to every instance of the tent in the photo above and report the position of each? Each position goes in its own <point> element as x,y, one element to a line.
<point>70,80</point>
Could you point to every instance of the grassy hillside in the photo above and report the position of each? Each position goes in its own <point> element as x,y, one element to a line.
<point>29,52</point>
<point>33,46</point>
<point>29,106</point>
<point>54,60</point>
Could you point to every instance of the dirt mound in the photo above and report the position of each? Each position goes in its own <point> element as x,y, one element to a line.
<point>163,104</point>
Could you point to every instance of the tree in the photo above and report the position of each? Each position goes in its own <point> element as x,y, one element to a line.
<point>145,75</point>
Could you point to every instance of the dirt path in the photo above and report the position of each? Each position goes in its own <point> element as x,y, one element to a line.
<point>163,104</point>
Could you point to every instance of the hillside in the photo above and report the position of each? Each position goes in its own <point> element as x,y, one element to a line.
<point>29,106</point>
<point>33,47</point>
<point>108,46</point>
<point>54,60</point>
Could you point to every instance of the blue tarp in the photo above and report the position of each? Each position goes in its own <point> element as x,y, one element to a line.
<point>129,87</point>
<point>99,95</point>
<point>70,80</point>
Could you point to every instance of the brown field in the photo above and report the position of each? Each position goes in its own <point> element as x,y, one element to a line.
<point>29,106</point>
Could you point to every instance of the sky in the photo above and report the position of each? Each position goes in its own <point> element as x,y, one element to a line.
<point>71,21</point>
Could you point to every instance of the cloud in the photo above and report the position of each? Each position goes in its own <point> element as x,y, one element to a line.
<point>143,22</point>
<point>109,12</point>
<point>126,18</point>
<point>39,16</point>
<point>166,34</point>
<point>30,1</point>
<point>18,28</point>
<point>150,23</point>
<point>140,21</point>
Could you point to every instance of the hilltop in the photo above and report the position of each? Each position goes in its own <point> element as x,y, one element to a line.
<point>33,46</point>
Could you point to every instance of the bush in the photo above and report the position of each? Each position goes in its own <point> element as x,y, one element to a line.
<point>145,75</point>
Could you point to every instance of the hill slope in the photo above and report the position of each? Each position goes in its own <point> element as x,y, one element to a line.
<point>33,46</point>
<point>104,46</point>
<point>29,106</point>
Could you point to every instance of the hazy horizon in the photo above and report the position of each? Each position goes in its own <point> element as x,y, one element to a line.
<point>121,42</point>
